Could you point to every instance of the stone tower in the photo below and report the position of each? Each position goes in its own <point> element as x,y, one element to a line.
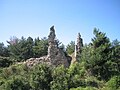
<point>55,55</point>
<point>79,45</point>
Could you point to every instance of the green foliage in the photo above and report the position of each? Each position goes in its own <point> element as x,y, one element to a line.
<point>76,74</point>
<point>98,67</point>
<point>14,78</point>
<point>16,83</point>
<point>85,56</point>
<point>59,76</point>
<point>82,88</point>
<point>40,48</point>
<point>40,77</point>
<point>44,77</point>
<point>70,47</point>
<point>5,61</point>
<point>3,50</point>
<point>23,49</point>
<point>114,83</point>
<point>115,57</point>
<point>99,56</point>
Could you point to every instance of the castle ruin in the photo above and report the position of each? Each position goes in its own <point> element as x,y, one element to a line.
<point>78,47</point>
<point>55,56</point>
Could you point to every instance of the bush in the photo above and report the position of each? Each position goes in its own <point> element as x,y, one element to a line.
<point>5,62</point>
<point>82,88</point>
<point>40,77</point>
<point>16,83</point>
<point>60,79</point>
<point>114,83</point>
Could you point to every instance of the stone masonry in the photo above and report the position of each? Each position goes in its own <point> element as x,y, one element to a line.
<point>78,48</point>
<point>79,43</point>
<point>55,55</point>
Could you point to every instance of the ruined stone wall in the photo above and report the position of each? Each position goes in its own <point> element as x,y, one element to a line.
<point>78,49</point>
<point>79,43</point>
<point>55,55</point>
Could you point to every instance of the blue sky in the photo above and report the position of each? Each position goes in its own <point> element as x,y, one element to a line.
<point>35,17</point>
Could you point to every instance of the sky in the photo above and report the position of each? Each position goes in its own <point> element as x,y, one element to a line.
<point>35,17</point>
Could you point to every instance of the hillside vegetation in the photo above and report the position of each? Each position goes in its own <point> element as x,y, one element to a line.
<point>97,68</point>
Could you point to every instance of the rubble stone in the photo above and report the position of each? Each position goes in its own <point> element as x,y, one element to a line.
<point>55,56</point>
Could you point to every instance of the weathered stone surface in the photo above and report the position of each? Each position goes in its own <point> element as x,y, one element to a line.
<point>79,43</point>
<point>78,49</point>
<point>55,55</point>
<point>51,36</point>
<point>34,61</point>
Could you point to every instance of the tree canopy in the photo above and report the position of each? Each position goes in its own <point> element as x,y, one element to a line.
<point>98,67</point>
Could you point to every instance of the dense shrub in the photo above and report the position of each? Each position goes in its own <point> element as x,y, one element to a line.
<point>5,61</point>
